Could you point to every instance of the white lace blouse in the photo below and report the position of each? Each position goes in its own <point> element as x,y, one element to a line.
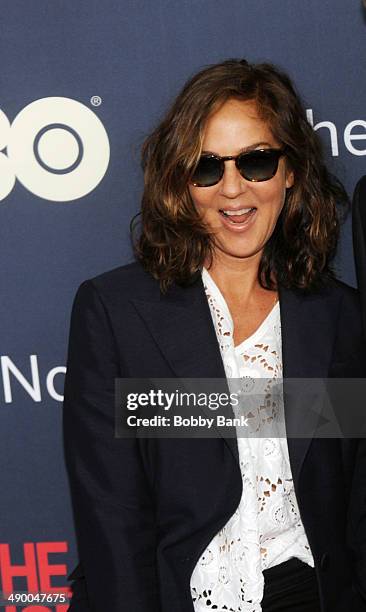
<point>266,528</point>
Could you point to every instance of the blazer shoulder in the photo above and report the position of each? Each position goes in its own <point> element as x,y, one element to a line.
<point>125,282</point>
<point>347,297</point>
<point>351,309</point>
<point>350,295</point>
<point>350,342</point>
<point>332,289</point>
<point>339,301</point>
<point>345,290</point>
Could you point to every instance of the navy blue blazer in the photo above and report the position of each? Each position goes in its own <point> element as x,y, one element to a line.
<point>145,509</point>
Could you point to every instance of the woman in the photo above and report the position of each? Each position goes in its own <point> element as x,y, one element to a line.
<point>232,279</point>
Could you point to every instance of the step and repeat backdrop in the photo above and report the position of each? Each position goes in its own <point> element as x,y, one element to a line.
<point>82,84</point>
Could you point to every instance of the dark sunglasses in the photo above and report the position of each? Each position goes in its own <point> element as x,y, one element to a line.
<point>258,165</point>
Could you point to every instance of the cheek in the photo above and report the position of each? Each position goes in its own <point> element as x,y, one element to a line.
<point>271,200</point>
<point>277,191</point>
<point>201,199</point>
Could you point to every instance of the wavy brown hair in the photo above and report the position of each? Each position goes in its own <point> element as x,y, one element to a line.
<point>173,241</point>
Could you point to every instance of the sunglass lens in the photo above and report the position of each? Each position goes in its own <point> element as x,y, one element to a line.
<point>208,172</point>
<point>258,165</point>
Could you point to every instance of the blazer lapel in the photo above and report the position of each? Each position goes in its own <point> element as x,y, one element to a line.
<point>181,325</point>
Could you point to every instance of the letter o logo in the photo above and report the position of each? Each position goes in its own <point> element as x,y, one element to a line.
<point>56,147</point>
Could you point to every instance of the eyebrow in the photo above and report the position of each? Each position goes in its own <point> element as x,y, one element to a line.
<point>243,150</point>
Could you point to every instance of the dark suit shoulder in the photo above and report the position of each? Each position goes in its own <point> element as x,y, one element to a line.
<point>331,289</point>
<point>348,299</point>
<point>350,311</point>
<point>126,282</point>
<point>334,309</point>
<point>350,295</point>
<point>344,290</point>
<point>350,340</point>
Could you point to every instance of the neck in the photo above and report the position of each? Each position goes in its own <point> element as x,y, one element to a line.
<point>235,276</point>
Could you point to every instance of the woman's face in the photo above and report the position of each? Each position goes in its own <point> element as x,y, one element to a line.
<point>235,127</point>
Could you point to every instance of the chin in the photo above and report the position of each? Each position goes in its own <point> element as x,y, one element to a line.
<point>243,252</point>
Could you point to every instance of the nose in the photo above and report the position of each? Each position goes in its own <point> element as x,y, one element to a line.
<point>232,183</point>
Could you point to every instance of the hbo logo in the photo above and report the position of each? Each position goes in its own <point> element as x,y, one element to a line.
<point>56,147</point>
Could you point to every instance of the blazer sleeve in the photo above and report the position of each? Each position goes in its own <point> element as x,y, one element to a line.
<point>112,502</point>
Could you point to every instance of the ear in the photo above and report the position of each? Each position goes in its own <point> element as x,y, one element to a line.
<point>289,178</point>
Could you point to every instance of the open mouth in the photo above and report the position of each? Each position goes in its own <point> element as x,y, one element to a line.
<point>237,216</point>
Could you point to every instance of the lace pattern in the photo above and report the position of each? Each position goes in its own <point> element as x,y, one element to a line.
<point>266,528</point>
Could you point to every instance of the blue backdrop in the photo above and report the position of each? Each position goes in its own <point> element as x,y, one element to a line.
<point>82,84</point>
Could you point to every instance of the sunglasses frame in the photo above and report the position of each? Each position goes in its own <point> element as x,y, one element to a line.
<point>222,160</point>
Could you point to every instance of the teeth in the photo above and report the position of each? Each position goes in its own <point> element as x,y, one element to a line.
<point>232,213</point>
